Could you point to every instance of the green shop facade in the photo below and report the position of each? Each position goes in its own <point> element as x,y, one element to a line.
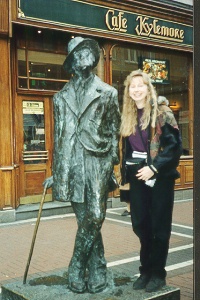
<point>155,36</point>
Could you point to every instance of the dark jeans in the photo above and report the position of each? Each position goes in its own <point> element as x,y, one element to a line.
<point>151,214</point>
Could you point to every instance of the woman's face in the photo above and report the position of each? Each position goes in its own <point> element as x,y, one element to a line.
<point>138,91</point>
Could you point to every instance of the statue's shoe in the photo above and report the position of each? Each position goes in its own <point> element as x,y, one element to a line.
<point>76,276</point>
<point>77,286</point>
<point>97,284</point>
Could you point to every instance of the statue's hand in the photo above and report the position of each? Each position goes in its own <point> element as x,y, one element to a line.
<point>115,158</point>
<point>48,182</point>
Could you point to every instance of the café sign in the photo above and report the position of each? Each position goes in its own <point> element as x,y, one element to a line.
<point>103,19</point>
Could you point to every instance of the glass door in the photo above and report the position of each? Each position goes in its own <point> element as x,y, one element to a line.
<point>34,146</point>
<point>34,132</point>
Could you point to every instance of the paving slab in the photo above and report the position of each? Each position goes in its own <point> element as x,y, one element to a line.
<point>54,285</point>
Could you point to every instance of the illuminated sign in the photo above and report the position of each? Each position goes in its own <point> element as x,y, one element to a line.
<point>157,69</point>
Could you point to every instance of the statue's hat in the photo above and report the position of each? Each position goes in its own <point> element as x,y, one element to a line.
<point>78,43</point>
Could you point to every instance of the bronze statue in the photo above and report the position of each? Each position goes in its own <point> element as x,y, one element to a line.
<point>87,119</point>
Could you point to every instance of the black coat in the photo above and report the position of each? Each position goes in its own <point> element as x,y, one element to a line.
<point>168,153</point>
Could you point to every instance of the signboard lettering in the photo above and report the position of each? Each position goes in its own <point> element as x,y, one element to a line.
<point>116,22</point>
<point>153,29</point>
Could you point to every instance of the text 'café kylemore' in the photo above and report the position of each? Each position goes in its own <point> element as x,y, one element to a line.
<point>117,22</point>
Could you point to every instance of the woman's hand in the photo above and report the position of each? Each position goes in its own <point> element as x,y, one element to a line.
<point>145,173</point>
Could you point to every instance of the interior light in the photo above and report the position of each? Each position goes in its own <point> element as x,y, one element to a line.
<point>39,31</point>
<point>173,104</point>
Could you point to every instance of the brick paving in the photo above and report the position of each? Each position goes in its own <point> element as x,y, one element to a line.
<point>55,240</point>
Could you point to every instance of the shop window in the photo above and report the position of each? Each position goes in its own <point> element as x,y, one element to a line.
<point>41,70</point>
<point>130,55</point>
<point>44,71</point>
<point>40,57</point>
<point>170,79</point>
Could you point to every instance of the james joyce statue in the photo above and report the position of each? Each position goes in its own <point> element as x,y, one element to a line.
<point>86,120</point>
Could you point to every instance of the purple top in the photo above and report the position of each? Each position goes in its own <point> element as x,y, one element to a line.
<point>135,140</point>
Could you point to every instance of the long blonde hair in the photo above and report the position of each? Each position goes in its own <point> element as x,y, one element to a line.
<point>129,112</point>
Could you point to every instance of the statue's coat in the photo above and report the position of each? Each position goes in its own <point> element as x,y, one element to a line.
<point>92,128</point>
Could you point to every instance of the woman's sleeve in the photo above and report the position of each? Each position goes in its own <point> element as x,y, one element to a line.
<point>170,148</point>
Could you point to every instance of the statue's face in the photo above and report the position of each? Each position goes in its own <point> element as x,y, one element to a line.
<point>83,58</point>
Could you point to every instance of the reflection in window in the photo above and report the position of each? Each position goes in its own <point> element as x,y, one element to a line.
<point>46,65</point>
<point>33,124</point>
<point>22,83</point>
<point>40,70</point>
<point>45,70</point>
<point>121,68</point>
<point>45,84</point>
<point>21,62</point>
<point>130,55</point>
<point>99,69</point>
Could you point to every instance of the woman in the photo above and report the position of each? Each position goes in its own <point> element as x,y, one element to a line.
<point>149,128</point>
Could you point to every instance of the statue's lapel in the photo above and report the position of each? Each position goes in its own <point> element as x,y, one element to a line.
<point>69,97</point>
<point>90,95</point>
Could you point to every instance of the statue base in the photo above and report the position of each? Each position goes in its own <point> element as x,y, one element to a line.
<point>51,286</point>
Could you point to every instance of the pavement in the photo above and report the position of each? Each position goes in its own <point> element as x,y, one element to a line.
<point>55,239</point>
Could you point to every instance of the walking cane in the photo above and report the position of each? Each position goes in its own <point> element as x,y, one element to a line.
<point>34,235</point>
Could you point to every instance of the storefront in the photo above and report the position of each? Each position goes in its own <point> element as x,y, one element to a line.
<point>34,36</point>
